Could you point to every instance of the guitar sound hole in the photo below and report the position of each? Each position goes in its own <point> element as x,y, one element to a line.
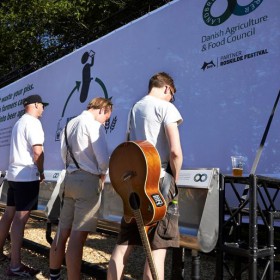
<point>134,201</point>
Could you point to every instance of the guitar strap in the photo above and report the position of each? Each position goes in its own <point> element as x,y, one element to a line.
<point>128,124</point>
<point>69,151</point>
<point>68,148</point>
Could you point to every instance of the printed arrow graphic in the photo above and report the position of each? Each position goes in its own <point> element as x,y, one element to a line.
<point>102,86</point>
<point>77,87</point>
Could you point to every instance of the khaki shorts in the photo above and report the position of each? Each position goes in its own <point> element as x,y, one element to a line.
<point>165,234</point>
<point>81,201</point>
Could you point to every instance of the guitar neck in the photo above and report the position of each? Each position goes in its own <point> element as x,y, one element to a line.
<point>145,242</point>
<point>134,170</point>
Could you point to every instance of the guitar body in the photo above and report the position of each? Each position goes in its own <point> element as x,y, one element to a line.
<point>134,171</point>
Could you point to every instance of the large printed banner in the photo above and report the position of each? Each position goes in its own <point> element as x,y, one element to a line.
<point>224,58</point>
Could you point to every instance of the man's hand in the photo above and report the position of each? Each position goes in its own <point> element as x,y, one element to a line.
<point>42,176</point>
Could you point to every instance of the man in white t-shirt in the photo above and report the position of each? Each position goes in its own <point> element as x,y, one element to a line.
<point>154,118</point>
<point>25,172</point>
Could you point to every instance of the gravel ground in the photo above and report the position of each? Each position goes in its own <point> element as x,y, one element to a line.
<point>97,251</point>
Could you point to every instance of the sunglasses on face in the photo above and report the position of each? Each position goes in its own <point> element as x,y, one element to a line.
<point>172,95</point>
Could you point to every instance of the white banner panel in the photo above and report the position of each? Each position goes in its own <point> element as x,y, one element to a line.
<point>223,56</point>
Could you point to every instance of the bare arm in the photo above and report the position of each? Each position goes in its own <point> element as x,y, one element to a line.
<point>176,155</point>
<point>38,157</point>
<point>102,178</point>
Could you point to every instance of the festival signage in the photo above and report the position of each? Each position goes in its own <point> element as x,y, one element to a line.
<point>223,56</point>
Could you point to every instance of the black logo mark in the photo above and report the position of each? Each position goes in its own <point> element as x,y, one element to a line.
<point>207,65</point>
<point>200,177</point>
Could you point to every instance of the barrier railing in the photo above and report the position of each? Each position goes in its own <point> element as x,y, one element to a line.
<point>198,207</point>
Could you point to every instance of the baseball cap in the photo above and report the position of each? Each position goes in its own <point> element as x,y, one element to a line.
<point>34,99</point>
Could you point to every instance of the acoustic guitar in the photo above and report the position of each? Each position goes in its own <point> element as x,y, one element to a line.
<point>134,170</point>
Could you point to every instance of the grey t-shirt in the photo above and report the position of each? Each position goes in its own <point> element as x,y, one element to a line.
<point>149,117</point>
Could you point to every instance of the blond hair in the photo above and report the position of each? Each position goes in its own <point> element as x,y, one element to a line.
<point>100,103</point>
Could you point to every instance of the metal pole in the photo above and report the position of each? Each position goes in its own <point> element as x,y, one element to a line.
<point>259,152</point>
<point>195,265</point>
<point>178,263</point>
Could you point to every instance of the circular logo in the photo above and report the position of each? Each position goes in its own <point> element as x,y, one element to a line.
<point>232,8</point>
<point>200,177</point>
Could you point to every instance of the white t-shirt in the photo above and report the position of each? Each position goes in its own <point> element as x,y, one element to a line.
<point>87,140</point>
<point>149,117</point>
<point>26,133</point>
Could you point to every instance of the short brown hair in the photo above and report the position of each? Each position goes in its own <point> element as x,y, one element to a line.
<point>100,103</point>
<point>160,80</point>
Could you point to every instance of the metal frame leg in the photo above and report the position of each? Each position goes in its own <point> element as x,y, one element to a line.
<point>177,265</point>
<point>270,272</point>
<point>253,229</point>
<point>195,265</point>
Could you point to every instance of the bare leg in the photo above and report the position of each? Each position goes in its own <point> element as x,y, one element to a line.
<point>159,258</point>
<point>17,232</point>
<point>117,262</point>
<point>74,254</point>
<point>57,251</point>
<point>5,224</point>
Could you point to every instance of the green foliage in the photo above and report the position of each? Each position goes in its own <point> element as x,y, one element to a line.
<point>36,32</point>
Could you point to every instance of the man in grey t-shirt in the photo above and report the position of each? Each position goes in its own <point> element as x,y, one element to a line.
<point>154,118</point>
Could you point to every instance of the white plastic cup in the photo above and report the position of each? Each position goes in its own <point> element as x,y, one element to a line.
<point>237,165</point>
